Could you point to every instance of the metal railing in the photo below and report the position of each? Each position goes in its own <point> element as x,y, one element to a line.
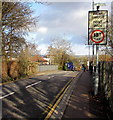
<point>106,82</point>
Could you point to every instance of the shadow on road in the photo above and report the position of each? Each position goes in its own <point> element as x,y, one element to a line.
<point>32,102</point>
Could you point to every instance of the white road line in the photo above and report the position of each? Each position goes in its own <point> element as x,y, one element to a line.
<point>50,77</point>
<point>7,95</point>
<point>33,84</point>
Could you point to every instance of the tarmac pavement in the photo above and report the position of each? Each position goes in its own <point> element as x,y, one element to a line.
<point>82,103</point>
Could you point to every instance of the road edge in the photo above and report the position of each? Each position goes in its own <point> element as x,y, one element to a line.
<point>59,107</point>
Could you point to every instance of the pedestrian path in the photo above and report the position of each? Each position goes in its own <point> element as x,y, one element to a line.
<point>82,104</point>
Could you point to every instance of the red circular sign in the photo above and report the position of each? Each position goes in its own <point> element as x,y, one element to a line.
<point>101,32</point>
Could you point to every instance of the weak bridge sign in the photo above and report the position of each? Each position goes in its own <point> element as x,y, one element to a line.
<point>97,27</point>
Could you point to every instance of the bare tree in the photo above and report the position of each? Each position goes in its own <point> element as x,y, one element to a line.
<point>108,49</point>
<point>16,19</point>
<point>59,51</point>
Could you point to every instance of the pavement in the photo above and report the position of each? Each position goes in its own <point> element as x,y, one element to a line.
<point>82,103</point>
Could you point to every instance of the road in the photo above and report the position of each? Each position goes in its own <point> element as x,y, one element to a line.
<point>30,98</point>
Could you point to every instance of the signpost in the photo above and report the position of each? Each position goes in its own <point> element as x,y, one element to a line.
<point>97,34</point>
<point>97,30</point>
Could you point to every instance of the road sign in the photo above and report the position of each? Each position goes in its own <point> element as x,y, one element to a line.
<point>97,36</point>
<point>70,65</point>
<point>97,30</point>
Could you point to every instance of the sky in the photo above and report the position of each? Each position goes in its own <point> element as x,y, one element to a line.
<point>65,19</point>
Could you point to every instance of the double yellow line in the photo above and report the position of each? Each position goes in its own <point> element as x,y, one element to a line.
<point>9,82</point>
<point>57,99</point>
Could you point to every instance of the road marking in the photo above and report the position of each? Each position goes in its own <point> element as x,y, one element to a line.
<point>50,77</point>
<point>39,74</point>
<point>14,92</point>
<point>7,95</point>
<point>59,96</point>
<point>56,104</point>
<point>33,84</point>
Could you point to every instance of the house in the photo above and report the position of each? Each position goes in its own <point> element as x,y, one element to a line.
<point>45,57</point>
<point>39,59</point>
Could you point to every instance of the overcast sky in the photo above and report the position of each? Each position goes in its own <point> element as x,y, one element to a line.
<point>65,19</point>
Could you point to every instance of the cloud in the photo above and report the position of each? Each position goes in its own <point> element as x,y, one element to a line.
<point>42,29</point>
<point>63,18</point>
<point>56,1</point>
<point>77,49</point>
<point>66,18</point>
<point>43,48</point>
<point>80,49</point>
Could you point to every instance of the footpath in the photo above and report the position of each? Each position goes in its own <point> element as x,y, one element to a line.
<point>82,103</point>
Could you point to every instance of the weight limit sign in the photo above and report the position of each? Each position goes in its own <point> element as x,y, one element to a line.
<point>97,36</point>
<point>97,27</point>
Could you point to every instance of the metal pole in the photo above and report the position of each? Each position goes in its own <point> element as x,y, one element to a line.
<point>93,5</point>
<point>97,74</point>
<point>93,57</point>
<point>93,44</point>
<point>89,56</point>
<point>97,61</point>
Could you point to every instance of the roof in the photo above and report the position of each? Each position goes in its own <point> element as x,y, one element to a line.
<point>37,58</point>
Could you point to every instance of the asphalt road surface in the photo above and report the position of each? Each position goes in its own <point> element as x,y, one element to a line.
<point>29,98</point>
